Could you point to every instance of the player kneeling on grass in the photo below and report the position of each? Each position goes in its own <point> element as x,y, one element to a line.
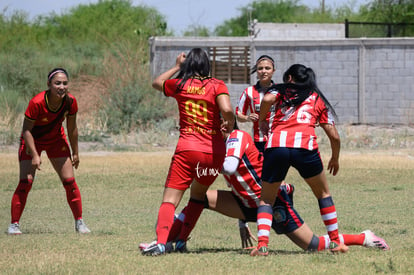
<point>242,170</point>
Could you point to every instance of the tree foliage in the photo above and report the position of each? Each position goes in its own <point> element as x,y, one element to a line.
<point>293,11</point>
<point>82,40</point>
<point>389,11</point>
<point>272,11</point>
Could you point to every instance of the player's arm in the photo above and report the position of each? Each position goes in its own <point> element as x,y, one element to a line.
<point>332,133</point>
<point>267,102</point>
<point>28,125</point>
<point>159,81</point>
<point>226,110</point>
<point>72,129</point>
<point>230,165</point>
<point>246,235</point>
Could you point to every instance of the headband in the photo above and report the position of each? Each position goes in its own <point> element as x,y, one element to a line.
<point>55,72</point>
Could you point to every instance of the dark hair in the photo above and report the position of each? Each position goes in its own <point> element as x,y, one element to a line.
<point>53,72</point>
<point>196,64</point>
<point>305,84</point>
<point>261,58</point>
<point>235,126</point>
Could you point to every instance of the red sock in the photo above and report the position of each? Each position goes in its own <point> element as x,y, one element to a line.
<point>328,214</point>
<point>357,239</point>
<point>165,221</point>
<point>177,225</point>
<point>19,199</point>
<point>73,197</point>
<point>264,223</point>
<point>193,212</point>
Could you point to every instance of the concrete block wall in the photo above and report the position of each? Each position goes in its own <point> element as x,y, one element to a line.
<point>293,31</point>
<point>368,81</point>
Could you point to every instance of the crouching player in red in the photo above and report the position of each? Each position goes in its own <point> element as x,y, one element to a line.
<point>242,170</point>
<point>43,131</point>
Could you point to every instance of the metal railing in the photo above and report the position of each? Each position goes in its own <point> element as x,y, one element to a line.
<point>377,29</point>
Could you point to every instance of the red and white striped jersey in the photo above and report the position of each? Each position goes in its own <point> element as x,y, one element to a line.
<point>249,102</point>
<point>294,127</point>
<point>245,182</point>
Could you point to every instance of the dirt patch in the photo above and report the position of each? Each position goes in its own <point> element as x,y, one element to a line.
<point>90,92</point>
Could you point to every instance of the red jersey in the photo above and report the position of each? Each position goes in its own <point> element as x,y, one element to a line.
<point>294,127</point>
<point>48,124</point>
<point>199,114</point>
<point>245,182</point>
<point>249,102</point>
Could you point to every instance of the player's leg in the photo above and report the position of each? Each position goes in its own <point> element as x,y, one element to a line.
<point>26,177</point>
<point>19,198</point>
<point>302,237</point>
<point>63,167</point>
<point>193,211</point>
<point>265,216</point>
<point>319,187</point>
<point>309,164</point>
<point>178,180</point>
<point>205,168</point>
<point>224,203</point>
<point>366,238</point>
<point>275,167</point>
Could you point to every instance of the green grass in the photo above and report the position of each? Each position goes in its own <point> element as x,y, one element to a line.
<point>122,192</point>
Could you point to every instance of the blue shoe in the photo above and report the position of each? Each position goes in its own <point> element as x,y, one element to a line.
<point>181,246</point>
<point>154,250</point>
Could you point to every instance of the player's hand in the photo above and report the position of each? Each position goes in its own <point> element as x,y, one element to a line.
<point>36,161</point>
<point>75,161</point>
<point>264,127</point>
<point>246,236</point>
<point>253,117</point>
<point>333,166</point>
<point>180,59</point>
<point>224,127</point>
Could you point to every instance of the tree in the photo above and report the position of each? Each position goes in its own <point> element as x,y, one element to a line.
<point>280,11</point>
<point>199,31</point>
<point>389,11</point>
<point>111,19</point>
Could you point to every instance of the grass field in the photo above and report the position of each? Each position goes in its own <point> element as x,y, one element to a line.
<point>121,194</point>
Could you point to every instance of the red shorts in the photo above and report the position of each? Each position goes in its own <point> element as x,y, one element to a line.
<point>187,166</point>
<point>57,149</point>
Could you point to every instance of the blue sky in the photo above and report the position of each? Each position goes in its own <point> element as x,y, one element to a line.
<point>179,13</point>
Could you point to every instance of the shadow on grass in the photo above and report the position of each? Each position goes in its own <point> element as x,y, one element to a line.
<point>204,250</point>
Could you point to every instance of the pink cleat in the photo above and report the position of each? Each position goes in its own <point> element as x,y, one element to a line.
<point>373,241</point>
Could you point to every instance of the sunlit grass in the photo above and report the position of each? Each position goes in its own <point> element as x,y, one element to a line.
<point>122,192</point>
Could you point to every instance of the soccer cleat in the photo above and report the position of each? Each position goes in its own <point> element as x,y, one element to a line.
<point>154,250</point>
<point>143,246</point>
<point>14,229</point>
<point>260,251</point>
<point>335,247</point>
<point>181,246</point>
<point>81,227</point>
<point>168,246</point>
<point>373,241</point>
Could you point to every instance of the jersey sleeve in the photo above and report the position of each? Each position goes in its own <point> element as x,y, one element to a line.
<point>221,88</point>
<point>243,105</point>
<point>325,115</point>
<point>73,107</point>
<point>236,145</point>
<point>170,87</point>
<point>32,111</point>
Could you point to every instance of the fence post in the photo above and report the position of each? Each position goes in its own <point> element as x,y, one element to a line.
<point>346,28</point>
